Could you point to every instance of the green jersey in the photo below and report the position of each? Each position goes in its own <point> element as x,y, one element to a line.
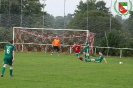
<point>9,48</point>
<point>86,44</point>
<point>101,58</point>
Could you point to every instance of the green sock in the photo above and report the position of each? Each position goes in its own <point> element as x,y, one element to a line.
<point>52,52</point>
<point>88,57</point>
<point>11,71</point>
<point>88,60</point>
<point>85,55</point>
<point>3,70</point>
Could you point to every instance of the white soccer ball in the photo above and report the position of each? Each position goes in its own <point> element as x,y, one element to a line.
<point>120,63</point>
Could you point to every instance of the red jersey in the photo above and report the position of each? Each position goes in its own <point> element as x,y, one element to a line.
<point>76,48</point>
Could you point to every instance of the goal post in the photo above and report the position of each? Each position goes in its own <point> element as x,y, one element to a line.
<point>40,39</point>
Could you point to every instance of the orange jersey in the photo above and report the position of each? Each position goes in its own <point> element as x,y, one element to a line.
<point>56,42</point>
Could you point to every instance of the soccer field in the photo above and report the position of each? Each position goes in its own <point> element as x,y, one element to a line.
<point>40,70</point>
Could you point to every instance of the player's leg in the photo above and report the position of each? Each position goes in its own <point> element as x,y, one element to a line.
<point>79,56</point>
<point>53,49</point>
<point>87,53</point>
<point>11,68</point>
<point>4,67</point>
<point>88,60</point>
<point>84,52</point>
<point>97,61</point>
<point>58,49</point>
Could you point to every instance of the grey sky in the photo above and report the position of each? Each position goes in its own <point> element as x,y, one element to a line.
<point>56,7</point>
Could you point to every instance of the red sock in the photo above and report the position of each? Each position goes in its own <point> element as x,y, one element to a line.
<point>81,58</point>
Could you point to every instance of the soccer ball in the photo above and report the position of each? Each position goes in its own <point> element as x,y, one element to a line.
<point>120,63</point>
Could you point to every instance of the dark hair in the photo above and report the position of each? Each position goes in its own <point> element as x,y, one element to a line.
<point>11,41</point>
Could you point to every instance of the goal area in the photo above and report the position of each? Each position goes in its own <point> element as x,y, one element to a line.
<point>40,39</point>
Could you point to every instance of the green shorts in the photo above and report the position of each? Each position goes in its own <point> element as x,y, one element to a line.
<point>78,54</point>
<point>97,60</point>
<point>8,61</point>
<point>86,50</point>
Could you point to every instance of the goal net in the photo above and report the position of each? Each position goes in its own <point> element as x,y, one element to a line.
<point>40,39</point>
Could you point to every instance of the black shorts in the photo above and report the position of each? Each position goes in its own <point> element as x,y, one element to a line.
<point>56,48</point>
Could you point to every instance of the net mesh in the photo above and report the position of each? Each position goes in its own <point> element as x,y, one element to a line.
<point>40,39</point>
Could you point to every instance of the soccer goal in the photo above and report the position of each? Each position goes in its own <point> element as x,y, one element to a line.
<point>40,39</point>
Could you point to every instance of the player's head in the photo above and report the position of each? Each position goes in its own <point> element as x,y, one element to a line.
<point>56,37</point>
<point>100,53</point>
<point>87,38</point>
<point>75,43</point>
<point>11,41</point>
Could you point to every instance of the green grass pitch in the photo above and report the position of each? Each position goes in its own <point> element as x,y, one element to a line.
<point>40,70</point>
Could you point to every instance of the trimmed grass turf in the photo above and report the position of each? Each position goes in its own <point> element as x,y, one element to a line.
<point>40,70</point>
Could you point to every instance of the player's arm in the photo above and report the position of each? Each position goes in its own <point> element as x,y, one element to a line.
<point>105,60</point>
<point>13,54</point>
<point>73,46</point>
<point>82,45</point>
<point>59,43</point>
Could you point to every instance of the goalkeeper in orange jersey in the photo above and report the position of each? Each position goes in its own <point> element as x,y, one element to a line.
<point>76,48</point>
<point>56,44</point>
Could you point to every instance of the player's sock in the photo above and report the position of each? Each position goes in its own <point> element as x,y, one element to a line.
<point>88,57</point>
<point>88,60</point>
<point>52,52</point>
<point>3,70</point>
<point>11,70</point>
<point>58,53</point>
<point>85,55</point>
<point>81,58</point>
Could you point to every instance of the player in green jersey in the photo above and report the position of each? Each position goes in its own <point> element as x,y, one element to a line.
<point>86,49</point>
<point>8,58</point>
<point>98,60</point>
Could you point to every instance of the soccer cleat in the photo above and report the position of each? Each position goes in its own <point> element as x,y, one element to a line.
<point>1,75</point>
<point>11,75</point>
<point>86,60</point>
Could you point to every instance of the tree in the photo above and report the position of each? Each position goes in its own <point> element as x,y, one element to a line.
<point>5,34</point>
<point>99,22</point>
<point>68,18</point>
<point>101,5</point>
<point>130,24</point>
<point>27,7</point>
<point>98,18</point>
<point>91,5</point>
<point>21,13</point>
<point>49,21</point>
<point>119,18</point>
<point>117,39</point>
<point>59,22</point>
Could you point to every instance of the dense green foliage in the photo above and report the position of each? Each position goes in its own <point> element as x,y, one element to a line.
<point>29,7</point>
<point>40,70</point>
<point>5,34</point>
<point>12,12</point>
<point>117,39</point>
